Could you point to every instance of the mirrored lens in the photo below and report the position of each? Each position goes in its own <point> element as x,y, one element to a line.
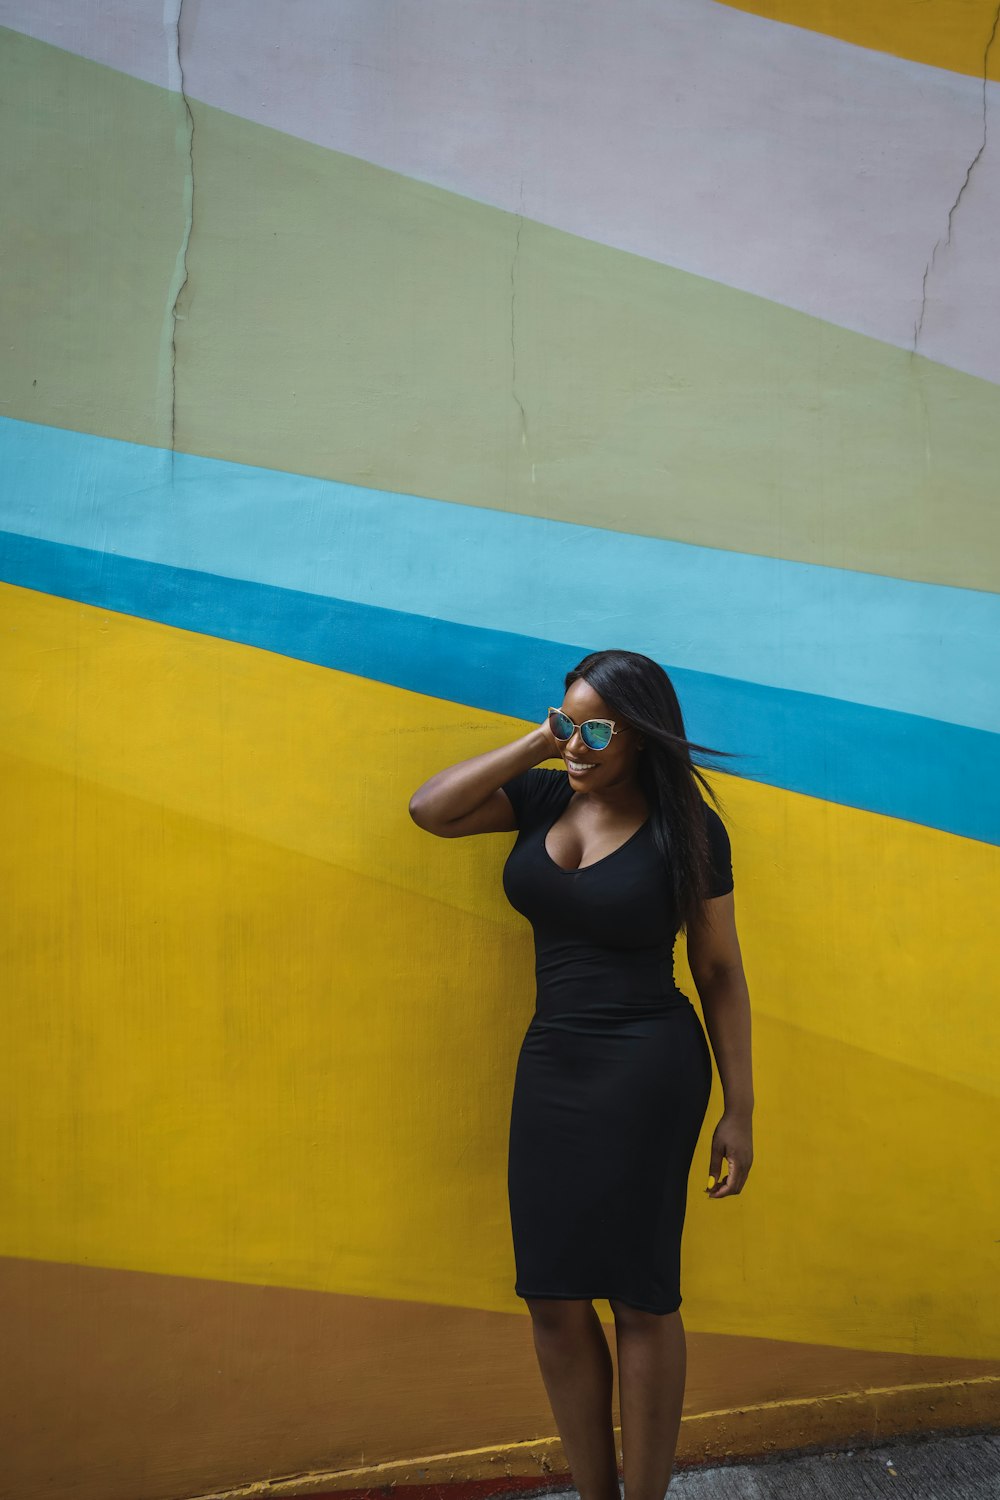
<point>561,725</point>
<point>596,734</point>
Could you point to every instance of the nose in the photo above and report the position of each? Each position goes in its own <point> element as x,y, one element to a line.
<point>575,748</point>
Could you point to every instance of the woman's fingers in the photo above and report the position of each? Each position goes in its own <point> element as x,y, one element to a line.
<point>734,1179</point>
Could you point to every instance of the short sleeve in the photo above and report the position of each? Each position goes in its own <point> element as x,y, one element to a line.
<point>536,793</point>
<point>720,876</point>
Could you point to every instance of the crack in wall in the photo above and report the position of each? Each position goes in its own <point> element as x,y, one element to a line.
<point>513,351</point>
<point>172,13</point>
<point>945,239</point>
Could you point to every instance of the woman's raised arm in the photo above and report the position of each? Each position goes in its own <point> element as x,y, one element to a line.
<point>466,797</point>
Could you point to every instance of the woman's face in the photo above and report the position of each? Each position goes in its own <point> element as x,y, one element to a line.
<point>597,768</point>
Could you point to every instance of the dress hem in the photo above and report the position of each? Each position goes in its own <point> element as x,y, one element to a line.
<point>601,1296</point>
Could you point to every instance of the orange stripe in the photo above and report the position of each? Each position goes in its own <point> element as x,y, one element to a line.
<point>952,34</point>
<point>119,1367</point>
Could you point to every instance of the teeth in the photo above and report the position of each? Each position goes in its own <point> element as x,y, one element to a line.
<point>579,765</point>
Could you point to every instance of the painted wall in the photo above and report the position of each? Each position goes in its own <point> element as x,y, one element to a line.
<point>365,364</point>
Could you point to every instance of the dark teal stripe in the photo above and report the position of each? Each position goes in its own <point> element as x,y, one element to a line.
<point>923,770</point>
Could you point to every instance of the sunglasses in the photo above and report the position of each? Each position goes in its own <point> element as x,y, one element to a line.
<point>595,733</point>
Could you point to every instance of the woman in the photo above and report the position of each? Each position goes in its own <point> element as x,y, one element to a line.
<point>613,856</point>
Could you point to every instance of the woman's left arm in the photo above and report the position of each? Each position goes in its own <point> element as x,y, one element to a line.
<point>716,965</point>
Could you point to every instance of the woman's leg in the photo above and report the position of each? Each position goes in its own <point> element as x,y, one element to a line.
<point>652,1370</point>
<point>578,1373</point>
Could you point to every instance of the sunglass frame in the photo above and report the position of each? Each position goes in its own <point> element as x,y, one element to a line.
<point>596,748</point>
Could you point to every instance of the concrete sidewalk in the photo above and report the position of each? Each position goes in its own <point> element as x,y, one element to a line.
<point>944,1468</point>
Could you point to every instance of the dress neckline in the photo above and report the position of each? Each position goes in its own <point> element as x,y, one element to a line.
<point>576,869</point>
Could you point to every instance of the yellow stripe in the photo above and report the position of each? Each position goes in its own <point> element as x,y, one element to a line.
<point>951,34</point>
<point>264,1028</point>
<point>226,731</point>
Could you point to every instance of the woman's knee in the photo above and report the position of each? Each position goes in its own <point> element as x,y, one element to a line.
<point>560,1315</point>
<point>639,1318</point>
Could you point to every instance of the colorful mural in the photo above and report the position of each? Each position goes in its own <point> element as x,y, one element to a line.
<point>337,335</point>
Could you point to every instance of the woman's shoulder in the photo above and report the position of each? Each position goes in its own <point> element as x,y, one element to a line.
<point>535,792</point>
<point>720,852</point>
<point>713,819</point>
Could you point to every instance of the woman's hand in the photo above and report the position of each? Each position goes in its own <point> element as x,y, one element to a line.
<point>553,747</point>
<point>733,1139</point>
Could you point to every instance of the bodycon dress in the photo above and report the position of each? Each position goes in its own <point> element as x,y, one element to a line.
<point>614,1071</point>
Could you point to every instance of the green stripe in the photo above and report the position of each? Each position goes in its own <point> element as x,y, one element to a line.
<point>348,322</point>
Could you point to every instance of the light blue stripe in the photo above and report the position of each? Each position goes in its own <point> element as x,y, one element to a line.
<point>890,643</point>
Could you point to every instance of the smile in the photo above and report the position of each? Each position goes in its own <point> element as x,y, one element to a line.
<point>579,765</point>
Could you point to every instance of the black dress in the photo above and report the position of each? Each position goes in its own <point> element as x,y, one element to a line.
<point>614,1073</point>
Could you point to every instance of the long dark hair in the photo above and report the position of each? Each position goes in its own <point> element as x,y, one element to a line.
<point>638,688</point>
